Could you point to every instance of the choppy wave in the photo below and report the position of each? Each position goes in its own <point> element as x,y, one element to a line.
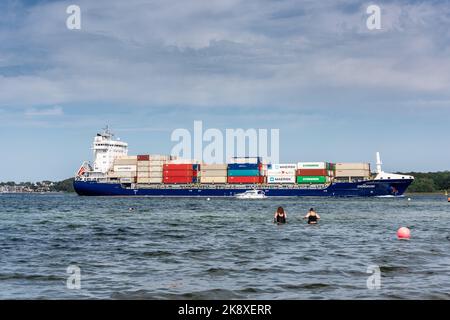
<point>222,249</point>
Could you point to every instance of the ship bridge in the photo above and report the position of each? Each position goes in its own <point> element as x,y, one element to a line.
<point>106,148</point>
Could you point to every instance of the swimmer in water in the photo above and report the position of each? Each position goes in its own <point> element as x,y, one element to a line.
<point>280,216</point>
<point>131,209</point>
<point>312,216</point>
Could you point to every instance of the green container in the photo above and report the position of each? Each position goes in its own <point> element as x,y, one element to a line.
<point>311,179</point>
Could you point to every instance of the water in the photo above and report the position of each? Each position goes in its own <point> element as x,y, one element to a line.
<point>222,249</point>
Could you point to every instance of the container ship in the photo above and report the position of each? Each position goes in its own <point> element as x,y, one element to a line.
<point>114,173</point>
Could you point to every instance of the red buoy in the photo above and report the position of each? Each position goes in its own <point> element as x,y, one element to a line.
<point>403,233</point>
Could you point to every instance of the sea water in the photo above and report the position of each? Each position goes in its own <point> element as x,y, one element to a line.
<point>191,248</point>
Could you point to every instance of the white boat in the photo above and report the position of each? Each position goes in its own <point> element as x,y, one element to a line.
<point>251,194</point>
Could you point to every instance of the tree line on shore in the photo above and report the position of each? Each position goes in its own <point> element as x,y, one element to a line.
<point>430,181</point>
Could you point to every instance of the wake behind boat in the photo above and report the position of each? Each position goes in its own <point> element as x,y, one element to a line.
<point>252,194</point>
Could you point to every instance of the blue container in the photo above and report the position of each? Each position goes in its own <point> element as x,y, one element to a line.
<point>243,166</point>
<point>243,173</point>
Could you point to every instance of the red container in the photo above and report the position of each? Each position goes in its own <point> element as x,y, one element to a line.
<point>178,173</point>
<point>245,179</point>
<point>312,172</point>
<point>143,157</point>
<point>177,166</point>
<point>177,180</point>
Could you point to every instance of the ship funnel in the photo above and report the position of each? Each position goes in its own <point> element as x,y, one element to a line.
<point>379,163</point>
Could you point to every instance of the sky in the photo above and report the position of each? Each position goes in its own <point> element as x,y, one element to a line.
<point>336,90</point>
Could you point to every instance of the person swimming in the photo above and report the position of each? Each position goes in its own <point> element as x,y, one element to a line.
<point>280,216</point>
<point>312,216</point>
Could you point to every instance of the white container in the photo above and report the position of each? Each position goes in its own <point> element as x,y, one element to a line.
<point>281,179</point>
<point>143,175</point>
<point>183,161</point>
<point>156,174</point>
<point>287,172</point>
<point>127,158</point>
<point>352,173</point>
<point>125,162</point>
<point>126,180</point>
<point>159,157</point>
<point>241,160</point>
<point>149,180</point>
<point>125,168</point>
<point>157,162</point>
<point>353,166</point>
<point>156,169</point>
<point>213,179</point>
<point>312,165</point>
<point>213,173</point>
<point>282,166</point>
<point>205,167</point>
<point>123,174</point>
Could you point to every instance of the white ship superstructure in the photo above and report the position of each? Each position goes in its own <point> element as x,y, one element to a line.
<point>106,149</point>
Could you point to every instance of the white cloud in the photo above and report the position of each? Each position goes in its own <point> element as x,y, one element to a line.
<point>224,53</point>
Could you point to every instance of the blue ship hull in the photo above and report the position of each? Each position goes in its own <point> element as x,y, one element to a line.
<point>368,188</point>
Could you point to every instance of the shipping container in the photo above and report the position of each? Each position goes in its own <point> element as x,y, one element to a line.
<point>178,173</point>
<point>179,166</point>
<point>127,180</point>
<point>156,174</point>
<point>245,160</point>
<point>312,165</point>
<point>307,180</point>
<point>243,173</point>
<point>281,179</point>
<point>214,167</point>
<point>352,173</point>
<point>244,166</point>
<point>285,172</point>
<point>156,169</point>
<point>250,180</point>
<point>178,180</point>
<point>312,172</point>
<point>353,166</point>
<point>157,162</point>
<point>126,158</point>
<point>125,162</point>
<point>125,168</point>
<point>122,174</point>
<point>183,161</point>
<point>144,163</point>
<point>213,173</point>
<point>282,166</point>
<point>149,180</point>
<point>143,157</point>
<point>143,169</point>
<point>159,157</point>
<point>143,174</point>
<point>213,179</point>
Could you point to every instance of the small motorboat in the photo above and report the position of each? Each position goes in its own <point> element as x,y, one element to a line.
<point>251,194</point>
